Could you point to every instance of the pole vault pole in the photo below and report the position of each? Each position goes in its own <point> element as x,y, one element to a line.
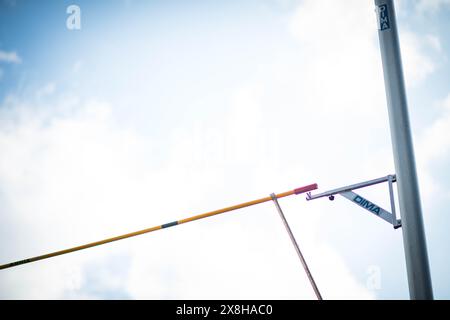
<point>414,242</point>
<point>163,226</point>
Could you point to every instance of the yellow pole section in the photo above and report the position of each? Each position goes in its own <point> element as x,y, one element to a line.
<point>148,230</point>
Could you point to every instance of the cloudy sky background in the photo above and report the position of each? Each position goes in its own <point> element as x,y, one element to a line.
<point>155,111</point>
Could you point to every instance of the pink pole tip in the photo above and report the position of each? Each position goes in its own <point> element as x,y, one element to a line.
<point>306,188</point>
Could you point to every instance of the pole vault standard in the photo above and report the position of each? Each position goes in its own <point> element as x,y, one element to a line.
<point>414,242</point>
<point>163,226</point>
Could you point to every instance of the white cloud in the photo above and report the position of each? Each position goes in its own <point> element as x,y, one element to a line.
<point>66,166</point>
<point>325,26</point>
<point>434,146</point>
<point>417,63</point>
<point>434,42</point>
<point>430,6</point>
<point>9,57</point>
<point>437,136</point>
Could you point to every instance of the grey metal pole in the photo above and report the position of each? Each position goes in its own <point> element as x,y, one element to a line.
<point>297,248</point>
<point>416,256</point>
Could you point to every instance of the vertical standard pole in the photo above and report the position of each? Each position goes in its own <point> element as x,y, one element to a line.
<point>417,266</point>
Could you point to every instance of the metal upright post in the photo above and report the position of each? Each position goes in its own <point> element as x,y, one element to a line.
<point>417,266</point>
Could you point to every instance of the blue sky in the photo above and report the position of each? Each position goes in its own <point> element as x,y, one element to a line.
<point>154,111</point>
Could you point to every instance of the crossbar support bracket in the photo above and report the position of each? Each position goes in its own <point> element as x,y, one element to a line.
<point>348,193</point>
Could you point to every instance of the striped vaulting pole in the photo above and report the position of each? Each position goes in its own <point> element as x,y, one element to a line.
<point>166,225</point>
